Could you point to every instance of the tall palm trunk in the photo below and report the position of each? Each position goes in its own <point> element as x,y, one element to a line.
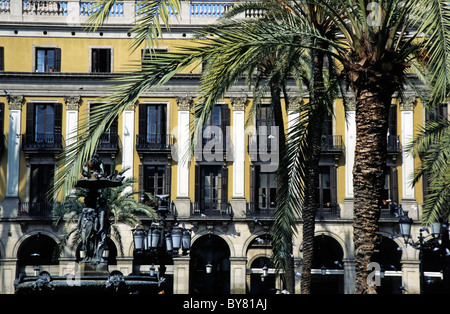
<point>275,90</point>
<point>368,178</point>
<point>316,117</point>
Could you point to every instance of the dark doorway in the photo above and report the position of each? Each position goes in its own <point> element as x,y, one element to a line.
<point>210,250</point>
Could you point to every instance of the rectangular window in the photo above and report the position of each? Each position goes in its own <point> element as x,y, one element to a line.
<point>326,196</point>
<point>48,60</point>
<point>210,132</point>
<point>44,123</point>
<point>211,184</point>
<point>155,124</point>
<point>267,190</point>
<point>152,126</point>
<point>146,54</point>
<point>154,179</point>
<point>41,177</point>
<point>101,60</point>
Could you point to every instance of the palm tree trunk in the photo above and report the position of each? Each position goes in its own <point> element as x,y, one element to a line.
<point>368,179</point>
<point>275,91</point>
<point>316,116</point>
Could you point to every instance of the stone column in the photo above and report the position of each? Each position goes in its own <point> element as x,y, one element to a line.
<point>238,202</point>
<point>349,276</point>
<point>181,275</point>
<point>238,271</point>
<point>72,106</point>
<point>411,276</point>
<point>182,201</point>
<point>293,110</point>
<point>407,120</point>
<point>128,140</point>
<point>7,275</point>
<point>350,144</point>
<point>10,204</point>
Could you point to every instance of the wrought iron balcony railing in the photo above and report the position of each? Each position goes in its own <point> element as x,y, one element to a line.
<point>36,208</point>
<point>42,142</point>
<point>212,210</point>
<point>154,142</point>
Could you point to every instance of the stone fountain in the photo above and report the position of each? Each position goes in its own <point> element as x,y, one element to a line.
<point>93,226</point>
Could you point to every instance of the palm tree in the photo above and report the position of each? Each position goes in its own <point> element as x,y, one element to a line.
<point>121,206</point>
<point>432,145</point>
<point>374,52</point>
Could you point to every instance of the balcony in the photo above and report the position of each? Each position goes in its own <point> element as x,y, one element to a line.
<point>394,146</point>
<point>42,142</point>
<point>259,210</point>
<point>212,210</point>
<point>328,211</point>
<point>36,209</point>
<point>154,143</point>
<point>108,143</point>
<point>332,144</point>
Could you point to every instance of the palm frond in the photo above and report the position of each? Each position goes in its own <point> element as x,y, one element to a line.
<point>432,145</point>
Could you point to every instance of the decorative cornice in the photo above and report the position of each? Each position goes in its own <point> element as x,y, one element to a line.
<point>15,102</point>
<point>295,103</point>
<point>239,103</point>
<point>185,103</point>
<point>73,102</point>
<point>408,103</point>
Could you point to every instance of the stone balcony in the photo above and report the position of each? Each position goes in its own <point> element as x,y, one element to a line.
<point>77,12</point>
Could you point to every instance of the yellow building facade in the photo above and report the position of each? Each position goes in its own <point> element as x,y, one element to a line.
<point>54,71</point>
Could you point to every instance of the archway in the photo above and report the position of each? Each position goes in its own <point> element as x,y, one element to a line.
<point>389,258</point>
<point>212,251</point>
<point>327,269</point>
<point>38,249</point>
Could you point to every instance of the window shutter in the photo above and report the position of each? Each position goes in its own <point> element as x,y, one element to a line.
<point>394,184</point>
<point>252,184</point>
<point>141,177</point>
<point>164,139</point>
<point>58,124</point>
<point>333,182</point>
<point>30,118</point>
<point>108,60</point>
<point>225,113</point>
<point>142,121</point>
<point>57,60</point>
<point>197,183</point>
<point>224,186</point>
<point>167,179</point>
<point>2,59</point>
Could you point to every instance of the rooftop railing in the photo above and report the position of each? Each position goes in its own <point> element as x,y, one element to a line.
<point>194,12</point>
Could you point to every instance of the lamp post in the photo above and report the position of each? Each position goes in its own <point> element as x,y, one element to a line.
<point>160,242</point>
<point>405,224</point>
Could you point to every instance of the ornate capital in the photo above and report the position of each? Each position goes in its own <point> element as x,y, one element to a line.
<point>185,103</point>
<point>351,103</point>
<point>409,103</point>
<point>239,103</point>
<point>295,103</point>
<point>132,107</point>
<point>72,102</point>
<point>15,102</point>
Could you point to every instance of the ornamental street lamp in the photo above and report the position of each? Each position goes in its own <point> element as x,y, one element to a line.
<point>405,224</point>
<point>160,242</point>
